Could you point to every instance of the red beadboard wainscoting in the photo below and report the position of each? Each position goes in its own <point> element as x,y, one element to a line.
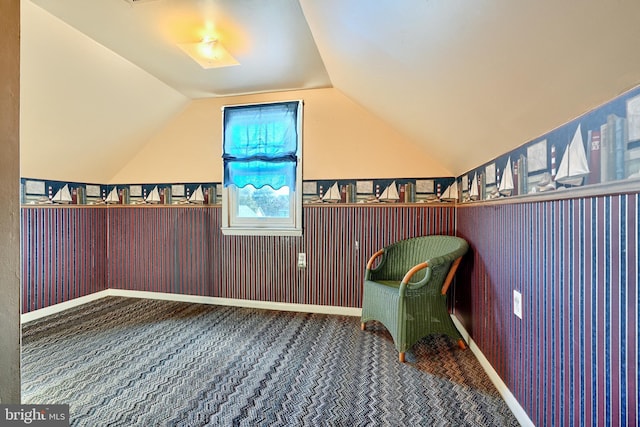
<point>573,357</point>
<point>64,252</point>
<point>74,251</point>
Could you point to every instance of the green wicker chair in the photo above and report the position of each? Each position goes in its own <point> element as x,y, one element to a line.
<point>407,290</point>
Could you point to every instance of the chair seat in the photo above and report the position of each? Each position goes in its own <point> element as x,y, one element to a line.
<point>395,284</point>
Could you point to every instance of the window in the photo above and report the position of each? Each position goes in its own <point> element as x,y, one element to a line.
<point>262,176</point>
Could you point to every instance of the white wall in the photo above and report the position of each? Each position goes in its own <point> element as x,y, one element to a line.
<point>341,140</point>
<point>84,110</point>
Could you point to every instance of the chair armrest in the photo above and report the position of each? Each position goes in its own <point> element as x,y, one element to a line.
<point>452,272</point>
<point>373,258</point>
<point>367,273</point>
<point>414,270</point>
<point>406,280</point>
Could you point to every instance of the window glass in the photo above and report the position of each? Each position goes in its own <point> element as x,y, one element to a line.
<point>263,202</point>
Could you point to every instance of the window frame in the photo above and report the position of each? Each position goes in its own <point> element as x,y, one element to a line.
<point>234,225</point>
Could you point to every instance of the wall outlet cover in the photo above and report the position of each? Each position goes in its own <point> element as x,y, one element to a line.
<point>517,304</point>
<point>302,260</point>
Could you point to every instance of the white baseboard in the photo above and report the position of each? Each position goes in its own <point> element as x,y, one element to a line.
<point>282,306</point>
<point>57,308</point>
<point>504,391</point>
<point>302,308</point>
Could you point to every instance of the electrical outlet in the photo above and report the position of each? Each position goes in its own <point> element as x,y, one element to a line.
<point>357,246</point>
<point>517,304</point>
<point>302,260</point>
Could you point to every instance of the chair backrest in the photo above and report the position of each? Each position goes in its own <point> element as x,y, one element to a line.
<point>438,250</point>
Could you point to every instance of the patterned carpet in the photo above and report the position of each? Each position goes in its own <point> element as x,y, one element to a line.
<point>130,362</point>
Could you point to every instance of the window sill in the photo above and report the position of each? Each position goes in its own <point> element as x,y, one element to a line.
<point>237,231</point>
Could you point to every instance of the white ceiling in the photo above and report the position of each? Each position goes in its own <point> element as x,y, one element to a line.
<point>466,80</point>
<point>270,39</point>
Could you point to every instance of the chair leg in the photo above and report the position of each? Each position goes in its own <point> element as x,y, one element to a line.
<point>401,357</point>
<point>362,326</point>
<point>461,344</point>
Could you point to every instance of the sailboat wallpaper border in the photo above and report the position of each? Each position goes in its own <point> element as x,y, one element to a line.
<point>600,146</point>
<point>44,192</point>
<point>386,190</point>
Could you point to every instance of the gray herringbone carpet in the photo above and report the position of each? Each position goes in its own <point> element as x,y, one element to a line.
<point>124,362</point>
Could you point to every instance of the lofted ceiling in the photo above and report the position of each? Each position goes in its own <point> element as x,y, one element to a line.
<point>466,80</point>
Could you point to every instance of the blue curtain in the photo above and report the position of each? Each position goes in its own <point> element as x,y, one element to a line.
<point>260,145</point>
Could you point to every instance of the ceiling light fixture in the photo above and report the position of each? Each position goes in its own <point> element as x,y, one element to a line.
<point>209,53</point>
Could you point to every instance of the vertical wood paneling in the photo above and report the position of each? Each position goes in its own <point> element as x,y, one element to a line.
<point>632,373</point>
<point>573,359</point>
<point>169,250</point>
<point>63,255</point>
<point>71,252</point>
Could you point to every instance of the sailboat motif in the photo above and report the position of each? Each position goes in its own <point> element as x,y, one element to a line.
<point>390,194</point>
<point>451,193</point>
<point>63,195</point>
<point>573,166</point>
<point>333,194</point>
<point>197,196</point>
<point>154,196</point>
<point>506,183</point>
<point>473,191</point>
<point>113,196</point>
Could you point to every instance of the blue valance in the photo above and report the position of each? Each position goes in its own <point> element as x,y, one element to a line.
<point>260,145</point>
<point>257,173</point>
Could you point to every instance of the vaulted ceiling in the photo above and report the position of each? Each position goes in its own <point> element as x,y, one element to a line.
<point>466,80</point>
